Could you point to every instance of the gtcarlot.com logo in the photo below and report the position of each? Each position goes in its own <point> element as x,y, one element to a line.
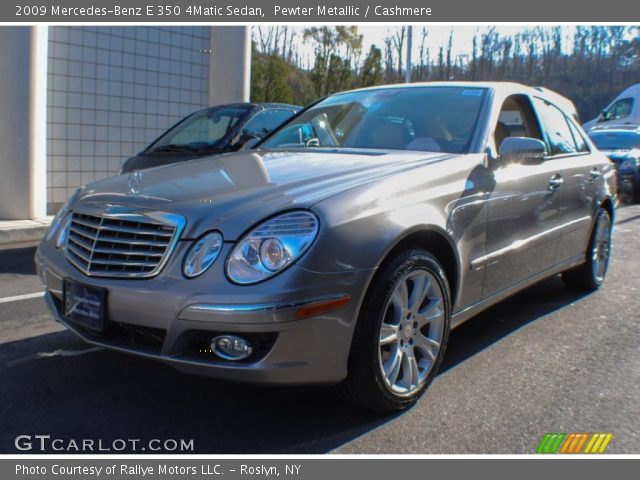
<point>556,442</point>
<point>47,443</point>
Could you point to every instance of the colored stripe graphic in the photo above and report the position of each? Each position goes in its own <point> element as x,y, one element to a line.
<point>598,443</point>
<point>572,443</point>
<point>550,442</point>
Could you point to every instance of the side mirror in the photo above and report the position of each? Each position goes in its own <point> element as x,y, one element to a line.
<point>518,149</point>
<point>246,141</point>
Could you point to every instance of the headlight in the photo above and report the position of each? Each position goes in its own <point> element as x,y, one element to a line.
<point>60,216</point>
<point>202,254</point>
<point>272,246</point>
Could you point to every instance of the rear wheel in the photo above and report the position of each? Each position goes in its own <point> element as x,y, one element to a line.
<point>591,274</point>
<point>401,333</point>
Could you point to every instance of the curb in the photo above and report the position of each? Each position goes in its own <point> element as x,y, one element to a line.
<point>22,233</point>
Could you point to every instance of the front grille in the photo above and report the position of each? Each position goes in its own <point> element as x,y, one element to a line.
<point>109,246</point>
<point>138,336</point>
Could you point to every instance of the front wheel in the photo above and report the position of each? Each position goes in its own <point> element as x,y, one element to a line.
<point>401,334</point>
<point>591,274</point>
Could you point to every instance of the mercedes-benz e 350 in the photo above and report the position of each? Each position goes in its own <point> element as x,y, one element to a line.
<point>345,247</point>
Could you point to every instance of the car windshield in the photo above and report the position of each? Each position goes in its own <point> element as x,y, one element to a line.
<point>615,140</point>
<point>435,119</point>
<point>201,131</point>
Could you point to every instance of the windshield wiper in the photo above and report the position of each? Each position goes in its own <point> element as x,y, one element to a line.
<point>174,147</point>
<point>208,148</point>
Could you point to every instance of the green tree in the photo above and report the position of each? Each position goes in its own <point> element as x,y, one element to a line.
<point>329,44</point>
<point>277,88</point>
<point>318,74</point>
<point>338,74</point>
<point>371,72</point>
<point>270,79</point>
<point>257,74</point>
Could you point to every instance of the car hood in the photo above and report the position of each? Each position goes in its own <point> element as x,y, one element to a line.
<point>618,156</point>
<point>232,192</point>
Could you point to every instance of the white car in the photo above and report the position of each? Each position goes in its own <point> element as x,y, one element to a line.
<point>624,110</point>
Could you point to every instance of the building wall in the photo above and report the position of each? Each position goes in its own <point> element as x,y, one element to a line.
<point>111,91</point>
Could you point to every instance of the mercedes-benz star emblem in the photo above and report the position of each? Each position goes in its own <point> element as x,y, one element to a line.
<point>135,179</point>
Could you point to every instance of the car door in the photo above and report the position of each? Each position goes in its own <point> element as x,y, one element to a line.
<point>579,171</point>
<point>523,211</point>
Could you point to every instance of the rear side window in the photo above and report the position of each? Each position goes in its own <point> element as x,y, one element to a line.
<point>556,126</point>
<point>265,121</point>
<point>581,145</point>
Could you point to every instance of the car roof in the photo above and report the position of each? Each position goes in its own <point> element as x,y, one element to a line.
<point>560,100</point>
<point>632,91</point>
<point>503,87</point>
<point>252,104</point>
<point>491,85</point>
<point>279,105</point>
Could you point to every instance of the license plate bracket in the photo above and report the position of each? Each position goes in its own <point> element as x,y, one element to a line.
<point>84,305</point>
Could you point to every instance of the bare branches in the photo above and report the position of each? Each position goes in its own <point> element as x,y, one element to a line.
<point>587,63</point>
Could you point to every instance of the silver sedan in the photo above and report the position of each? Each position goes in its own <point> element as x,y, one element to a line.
<point>344,248</point>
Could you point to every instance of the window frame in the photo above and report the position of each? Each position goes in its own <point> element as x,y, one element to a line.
<point>575,129</point>
<point>545,134</point>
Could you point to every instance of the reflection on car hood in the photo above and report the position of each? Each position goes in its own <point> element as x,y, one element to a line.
<point>152,159</point>
<point>232,192</point>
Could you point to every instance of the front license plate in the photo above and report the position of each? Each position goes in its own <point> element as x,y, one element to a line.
<point>84,305</point>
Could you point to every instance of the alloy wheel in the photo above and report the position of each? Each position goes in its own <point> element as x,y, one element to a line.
<point>601,246</point>
<point>411,332</point>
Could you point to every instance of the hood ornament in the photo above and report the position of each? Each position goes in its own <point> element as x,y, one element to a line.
<point>135,180</point>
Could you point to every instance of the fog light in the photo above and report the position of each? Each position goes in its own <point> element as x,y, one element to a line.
<point>231,347</point>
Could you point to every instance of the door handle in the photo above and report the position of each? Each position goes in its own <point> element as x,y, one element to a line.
<point>555,182</point>
<point>594,174</point>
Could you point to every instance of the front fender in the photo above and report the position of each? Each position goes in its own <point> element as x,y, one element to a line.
<point>360,227</point>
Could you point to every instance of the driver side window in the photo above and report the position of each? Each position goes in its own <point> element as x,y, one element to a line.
<point>620,109</point>
<point>516,119</point>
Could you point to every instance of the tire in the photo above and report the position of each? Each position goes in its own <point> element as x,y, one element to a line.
<point>421,332</point>
<point>591,274</point>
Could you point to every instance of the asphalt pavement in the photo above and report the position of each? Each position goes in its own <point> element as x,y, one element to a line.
<point>547,360</point>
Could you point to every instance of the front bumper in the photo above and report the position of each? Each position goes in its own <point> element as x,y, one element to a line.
<point>170,319</point>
